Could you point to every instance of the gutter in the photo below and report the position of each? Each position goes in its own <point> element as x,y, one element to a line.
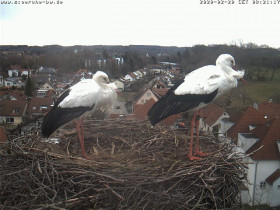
<point>254,189</point>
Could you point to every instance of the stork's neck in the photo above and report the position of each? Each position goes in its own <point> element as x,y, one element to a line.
<point>228,70</point>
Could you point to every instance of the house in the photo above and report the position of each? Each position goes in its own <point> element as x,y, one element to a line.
<point>138,74</point>
<point>46,93</point>
<point>13,72</point>
<point>12,111</point>
<point>160,83</point>
<point>128,77</point>
<point>25,72</point>
<point>143,72</point>
<point>39,106</point>
<point>50,73</point>
<point>119,84</point>
<point>268,109</point>
<point>262,146</point>
<point>47,86</point>
<point>60,87</point>
<point>3,135</point>
<point>39,79</point>
<point>133,76</point>
<point>211,118</point>
<point>12,95</point>
<point>242,122</point>
<point>145,95</point>
<point>11,82</point>
<point>141,113</point>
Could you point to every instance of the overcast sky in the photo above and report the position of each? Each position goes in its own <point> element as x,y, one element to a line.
<point>148,22</point>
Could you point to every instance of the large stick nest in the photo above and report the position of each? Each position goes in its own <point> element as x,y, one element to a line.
<point>134,166</point>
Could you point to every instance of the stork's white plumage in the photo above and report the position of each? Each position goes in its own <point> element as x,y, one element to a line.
<point>78,102</point>
<point>198,89</point>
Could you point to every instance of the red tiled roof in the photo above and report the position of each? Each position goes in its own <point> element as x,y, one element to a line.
<point>81,71</point>
<point>3,134</point>
<point>211,113</point>
<point>18,94</point>
<point>242,121</point>
<point>142,111</point>
<point>36,103</point>
<point>270,110</point>
<point>160,92</point>
<point>268,134</point>
<point>8,107</point>
<point>50,92</point>
<point>273,177</point>
<point>132,75</point>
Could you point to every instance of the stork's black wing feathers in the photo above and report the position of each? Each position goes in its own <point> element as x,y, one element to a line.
<point>171,104</point>
<point>58,116</point>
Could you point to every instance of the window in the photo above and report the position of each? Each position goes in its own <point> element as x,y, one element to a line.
<point>278,187</point>
<point>43,107</point>
<point>9,120</point>
<point>262,185</point>
<point>16,111</point>
<point>148,94</point>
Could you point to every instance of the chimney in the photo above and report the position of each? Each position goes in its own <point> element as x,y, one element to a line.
<point>256,106</point>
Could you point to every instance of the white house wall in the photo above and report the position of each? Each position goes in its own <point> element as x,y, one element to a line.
<point>261,170</point>
<point>274,194</point>
<point>244,142</point>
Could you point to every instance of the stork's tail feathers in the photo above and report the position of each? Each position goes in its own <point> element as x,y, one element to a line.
<point>157,112</point>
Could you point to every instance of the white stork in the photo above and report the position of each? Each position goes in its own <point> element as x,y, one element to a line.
<point>198,89</point>
<point>78,102</point>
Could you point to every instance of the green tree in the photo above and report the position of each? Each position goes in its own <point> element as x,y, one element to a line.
<point>29,87</point>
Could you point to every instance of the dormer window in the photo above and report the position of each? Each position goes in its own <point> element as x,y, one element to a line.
<point>15,111</point>
<point>43,107</point>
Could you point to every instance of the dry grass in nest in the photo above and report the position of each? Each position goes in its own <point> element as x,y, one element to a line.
<point>134,166</point>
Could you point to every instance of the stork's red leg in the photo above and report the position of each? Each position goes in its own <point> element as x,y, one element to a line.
<point>190,155</point>
<point>80,130</point>
<point>197,152</point>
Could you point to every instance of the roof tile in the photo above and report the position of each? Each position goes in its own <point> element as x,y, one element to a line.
<point>268,134</point>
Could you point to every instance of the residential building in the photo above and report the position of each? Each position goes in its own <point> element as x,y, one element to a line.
<point>262,145</point>
<point>12,111</point>
<point>268,109</point>
<point>39,106</point>
<point>13,72</point>
<point>12,95</point>
<point>11,82</point>
<point>47,86</point>
<point>211,117</point>
<point>243,122</point>
<point>119,84</point>
<point>130,78</point>
<point>141,113</point>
